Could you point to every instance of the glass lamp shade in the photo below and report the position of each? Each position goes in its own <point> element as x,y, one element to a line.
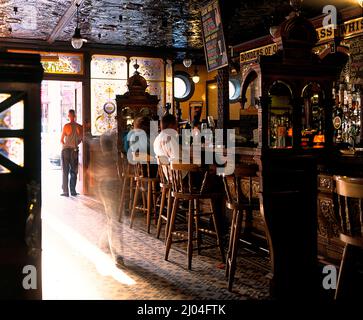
<point>319,138</point>
<point>187,62</point>
<point>196,78</point>
<point>360,2</point>
<point>77,40</point>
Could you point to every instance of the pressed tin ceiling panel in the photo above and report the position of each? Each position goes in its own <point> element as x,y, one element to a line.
<point>158,24</point>
<point>32,19</point>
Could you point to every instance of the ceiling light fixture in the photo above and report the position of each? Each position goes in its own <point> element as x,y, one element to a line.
<point>196,77</point>
<point>187,62</point>
<point>77,40</point>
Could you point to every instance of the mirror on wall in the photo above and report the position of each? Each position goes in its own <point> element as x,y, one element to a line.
<point>280,116</point>
<point>312,121</point>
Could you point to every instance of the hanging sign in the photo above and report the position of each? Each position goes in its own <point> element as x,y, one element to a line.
<point>255,53</point>
<point>346,30</point>
<point>213,37</point>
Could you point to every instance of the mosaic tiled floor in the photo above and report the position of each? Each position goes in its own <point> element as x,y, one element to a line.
<point>77,266</point>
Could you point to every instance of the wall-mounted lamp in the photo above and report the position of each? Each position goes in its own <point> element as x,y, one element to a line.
<point>360,2</point>
<point>196,77</point>
<point>77,40</point>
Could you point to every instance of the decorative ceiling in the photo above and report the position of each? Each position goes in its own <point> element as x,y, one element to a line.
<point>144,23</point>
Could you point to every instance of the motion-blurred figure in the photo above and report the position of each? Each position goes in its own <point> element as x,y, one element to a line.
<point>109,190</point>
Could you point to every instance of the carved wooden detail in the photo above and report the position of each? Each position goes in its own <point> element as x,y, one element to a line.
<point>245,185</point>
<point>325,183</point>
<point>223,97</point>
<point>328,223</point>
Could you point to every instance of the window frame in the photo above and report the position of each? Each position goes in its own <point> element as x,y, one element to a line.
<point>189,84</point>
<point>237,95</point>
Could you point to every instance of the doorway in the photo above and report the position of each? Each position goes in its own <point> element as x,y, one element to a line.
<point>57,98</point>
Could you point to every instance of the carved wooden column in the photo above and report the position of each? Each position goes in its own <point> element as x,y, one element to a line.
<point>223,97</point>
<point>360,93</point>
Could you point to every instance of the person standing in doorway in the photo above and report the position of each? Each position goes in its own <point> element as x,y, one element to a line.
<point>71,138</point>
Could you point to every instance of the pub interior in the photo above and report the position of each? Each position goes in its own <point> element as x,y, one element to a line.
<point>218,152</point>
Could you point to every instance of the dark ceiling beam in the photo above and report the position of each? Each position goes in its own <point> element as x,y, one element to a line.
<point>65,46</point>
<point>64,21</point>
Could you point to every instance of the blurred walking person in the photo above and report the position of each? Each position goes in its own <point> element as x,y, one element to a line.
<point>109,191</point>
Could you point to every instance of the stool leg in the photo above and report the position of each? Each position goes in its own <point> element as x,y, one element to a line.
<point>196,217</point>
<point>155,200</point>
<point>149,199</point>
<point>162,203</point>
<point>190,234</point>
<point>233,265</point>
<point>131,193</point>
<point>217,229</point>
<point>171,228</point>
<point>168,213</point>
<point>122,202</point>
<point>135,203</point>
<point>230,245</point>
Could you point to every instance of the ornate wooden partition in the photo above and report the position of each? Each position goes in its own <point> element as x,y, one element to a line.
<point>132,103</point>
<point>288,169</point>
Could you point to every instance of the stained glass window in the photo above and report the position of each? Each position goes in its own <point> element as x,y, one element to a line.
<point>59,62</point>
<point>108,79</point>
<point>13,149</point>
<point>152,69</point>
<point>13,117</point>
<point>4,96</point>
<point>109,67</point>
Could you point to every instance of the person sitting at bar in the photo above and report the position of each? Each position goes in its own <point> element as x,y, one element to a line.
<point>139,140</point>
<point>139,137</point>
<point>166,143</point>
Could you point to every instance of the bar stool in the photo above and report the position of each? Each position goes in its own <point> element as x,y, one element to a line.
<point>165,187</point>
<point>349,190</point>
<point>184,187</point>
<point>238,203</point>
<point>126,172</point>
<point>146,185</point>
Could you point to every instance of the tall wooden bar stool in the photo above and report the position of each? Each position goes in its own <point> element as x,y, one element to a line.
<point>238,203</point>
<point>350,199</point>
<point>126,173</point>
<point>185,187</point>
<point>146,184</point>
<point>165,188</point>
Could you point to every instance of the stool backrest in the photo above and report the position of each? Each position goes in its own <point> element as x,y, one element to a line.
<point>124,167</point>
<point>233,186</point>
<point>350,196</point>
<point>188,178</point>
<point>142,164</point>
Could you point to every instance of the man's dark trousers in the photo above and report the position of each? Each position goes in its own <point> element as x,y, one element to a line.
<point>69,167</point>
